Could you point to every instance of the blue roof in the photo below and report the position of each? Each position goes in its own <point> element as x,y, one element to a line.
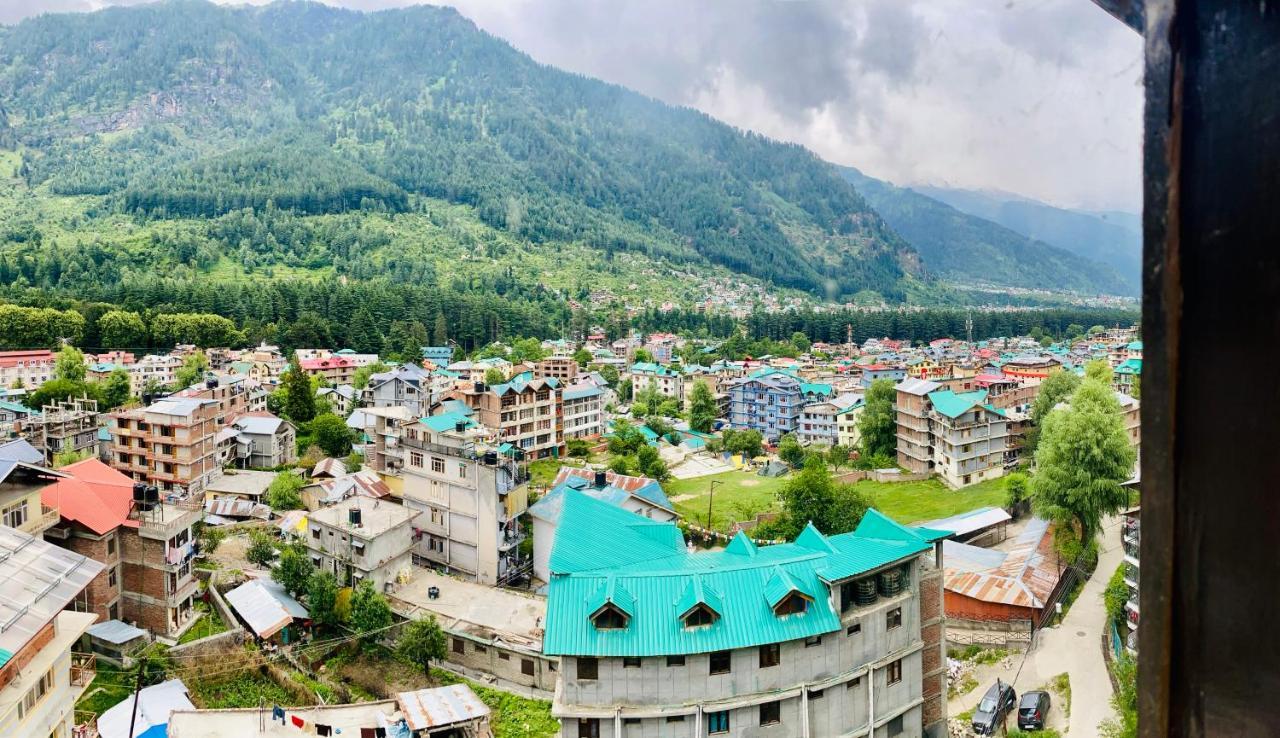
<point>447,422</point>
<point>579,391</point>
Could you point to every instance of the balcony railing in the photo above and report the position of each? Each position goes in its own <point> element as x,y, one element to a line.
<point>84,667</point>
<point>85,726</point>
<point>49,517</point>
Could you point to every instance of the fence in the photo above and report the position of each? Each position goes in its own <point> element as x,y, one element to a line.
<point>881,475</point>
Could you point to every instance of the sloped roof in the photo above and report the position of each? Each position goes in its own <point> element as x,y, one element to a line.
<point>153,707</point>
<point>38,580</point>
<point>115,631</point>
<point>265,606</point>
<point>440,706</point>
<point>917,386</point>
<point>969,522</point>
<point>649,560</point>
<point>93,495</point>
<point>649,490</point>
<point>1024,576</point>
<point>953,405</point>
<point>447,422</point>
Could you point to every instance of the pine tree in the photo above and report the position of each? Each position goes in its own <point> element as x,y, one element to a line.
<point>300,399</point>
<point>702,407</point>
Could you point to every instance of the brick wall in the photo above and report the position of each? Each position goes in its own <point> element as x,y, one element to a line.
<point>930,599</point>
<point>100,593</point>
<point>931,656</point>
<point>934,706</point>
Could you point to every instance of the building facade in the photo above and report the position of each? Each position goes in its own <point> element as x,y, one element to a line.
<point>171,443</point>
<point>769,403</point>
<point>583,411</point>
<point>469,497</point>
<point>528,415</point>
<point>663,380</point>
<point>67,427</point>
<point>28,369</point>
<point>825,636</point>
<point>362,539</point>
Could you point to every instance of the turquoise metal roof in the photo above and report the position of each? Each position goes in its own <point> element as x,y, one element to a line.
<point>598,543</point>
<point>953,405</point>
<point>446,422</point>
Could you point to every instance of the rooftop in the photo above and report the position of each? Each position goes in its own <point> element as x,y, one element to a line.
<point>93,495</point>
<point>490,613</point>
<point>38,580</point>
<point>246,482</point>
<point>376,517</point>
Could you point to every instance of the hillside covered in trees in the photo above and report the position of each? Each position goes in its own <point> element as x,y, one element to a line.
<point>211,129</point>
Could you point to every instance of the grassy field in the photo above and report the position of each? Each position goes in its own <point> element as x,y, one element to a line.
<point>210,623</point>
<point>738,496</point>
<point>109,687</point>
<point>513,716</point>
<point>741,494</point>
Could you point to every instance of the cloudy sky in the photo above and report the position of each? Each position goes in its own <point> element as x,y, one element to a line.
<point>1037,97</point>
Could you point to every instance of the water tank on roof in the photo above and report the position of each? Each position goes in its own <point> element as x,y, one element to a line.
<point>460,426</point>
<point>491,458</point>
<point>890,582</point>
<point>864,591</point>
<point>601,479</point>
<point>480,387</point>
<point>139,491</point>
<point>211,382</point>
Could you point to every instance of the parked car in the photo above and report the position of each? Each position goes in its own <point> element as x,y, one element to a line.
<point>1033,710</point>
<point>990,714</point>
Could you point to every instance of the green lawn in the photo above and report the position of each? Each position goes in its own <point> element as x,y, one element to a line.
<point>742,494</point>
<point>108,688</point>
<point>210,623</point>
<point>739,496</point>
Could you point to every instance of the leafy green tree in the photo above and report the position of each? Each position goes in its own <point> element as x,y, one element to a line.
<point>702,407</point>
<point>322,599</point>
<point>800,341</point>
<point>813,496</point>
<point>610,375</point>
<point>421,642</point>
<point>1017,491</point>
<point>283,493</point>
<point>370,613</point>
<point>643,356</point>
<point>354,461</point>
<point>1056,388</point>
<point>650,463</point>
<point>192,370</point>
<point>57,390</point>
<point>331,434</point>
<point>69,364</point>
<point>582,357</point>
<point>1115,596</point>
<point>625,438</point>
<point>1099,370</point>
<point>261,550</point>
<point>624,389</point>
<point>299,398</point>
<point>659,426</point>
<point>493,375</point>
<point>790,450</point>
<point>122,329</point>
<point>1074,332</point>
<point>838,456</point>
<point>877,425</point>
<point>294,569</point>
<point>115,389</point>
<point>361,378</point>
<point>669,408</point>
<point>620,465</point>
<point>526,349</point>
<point>1083,458</point>
<point>1124,701</point>
<point>747,443</point>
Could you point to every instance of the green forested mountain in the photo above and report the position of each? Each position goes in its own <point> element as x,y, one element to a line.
<point>1111,238</point>
<point>958,246</point>
<point>192,140</point>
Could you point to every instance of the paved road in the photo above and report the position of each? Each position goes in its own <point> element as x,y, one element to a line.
<point>1073,647</point>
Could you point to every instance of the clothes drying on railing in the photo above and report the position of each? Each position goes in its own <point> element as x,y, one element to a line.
<point>178,554</point>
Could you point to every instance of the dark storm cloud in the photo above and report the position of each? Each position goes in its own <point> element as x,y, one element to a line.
<point>1040,97</point>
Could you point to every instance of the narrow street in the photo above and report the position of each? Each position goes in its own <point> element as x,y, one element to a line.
<point>1072,647</point>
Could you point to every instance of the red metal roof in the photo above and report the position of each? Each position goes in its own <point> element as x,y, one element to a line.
<point>95,495</point>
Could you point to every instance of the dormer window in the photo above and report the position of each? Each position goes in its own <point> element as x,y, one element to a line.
<point>610,618</point>
<point>698,616</point>
<point>793,604</point>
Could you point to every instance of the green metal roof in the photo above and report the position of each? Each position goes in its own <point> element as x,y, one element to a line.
<point>599,546</point>
<point>953,405</point>
<point>1130,366</point>
<point>446,422</point>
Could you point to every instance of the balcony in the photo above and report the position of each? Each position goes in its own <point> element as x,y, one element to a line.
<point>84,667</point>
<point>85,725</point>
<point>48,518</point>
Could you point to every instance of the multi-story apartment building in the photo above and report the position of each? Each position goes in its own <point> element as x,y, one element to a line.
<point>41,678</point>
<point>22,475</point>
<point>561,368</point>
<point>362,539</point>
<point>407,386</point>
<point>848,413</point>
<point>145,546</point>
<point>266,359</point>
<point>153,371</point>
<point>1131,538</point>
<point>1031,367</point>
<point>470,498</point>
<point>69,426</point>
<point>384,428</point>
<point>663,380</point>
<point>825,421</point>
<point>583,411</point>
<point>232,394</point>
<point>826,636</point>
<point>334,369</point>
<point>526,414</point>
<point>958,436</point>
<point>26,368</point>
<point>768,402</point>
<point>263,441</point>
<point>171,443</point>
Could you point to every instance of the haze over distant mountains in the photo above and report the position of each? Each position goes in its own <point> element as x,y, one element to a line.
<point>296,137</point>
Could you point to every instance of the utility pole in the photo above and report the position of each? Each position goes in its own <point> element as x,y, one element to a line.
<point>711,496</point>
<point>137,690</point>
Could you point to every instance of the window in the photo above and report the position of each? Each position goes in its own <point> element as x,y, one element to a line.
<point>813,641</point>
<point>437,465</point>
<point>853,683</point>
<point>699,615</point>
<point>854,629</point>
<point>894,726</point>
<point>111,544</point>
<point>675,661</point>
<point>894,672</point>
<point>610,618</point>
<point>415,459</point>
<point>16,515</point>
<point>588,728</point>
<point>769,655</point>
<point>112,577</point>
<point>462,471</point>
<point>721,662</point>
<point>630,721</point>
<point>630,662</point>
<point>459,646</point>
<point>793,603</point>
<point>480,649</point>
<point>502,656</point>
<point>675,718</point>
<point>588,667</point>
<point>771,713</point>
<point>893,618</point>
<point>718,722</point>
<point>526,667</point>
<point>816,694</point>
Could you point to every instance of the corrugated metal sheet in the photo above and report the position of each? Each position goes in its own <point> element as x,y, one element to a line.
<point>600,546</point>
<point>971,521</point>
<point>1023,576</point>
<point>38,579</point>
<point>115,631</point>
<point>265,606</point>
<point>440,707</point>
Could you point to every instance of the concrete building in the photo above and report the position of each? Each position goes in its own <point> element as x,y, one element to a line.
<point>528,415</point>
<point>640,495</point>
<point>146,553</point>
<point>68,426</point>
<point>663,380</point>
<point>470,496</point>
<point>847,417</point>
<point>171,443</point>
<point>362,539</point>
<point>383,426</point>
<point>820,422</point>
<point>407,386</point>
<point>334,369</point>
<point>770,402</point>
<point>263,441</point>
<point>28,369</point>
<point>583,411</point>
<point>152,372</point>
<point>41,677</point>
<point>915,442</point>
<point>23,474</point>
<point>561,368</point>
<point>958,436</point>
<point>826,636</point>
